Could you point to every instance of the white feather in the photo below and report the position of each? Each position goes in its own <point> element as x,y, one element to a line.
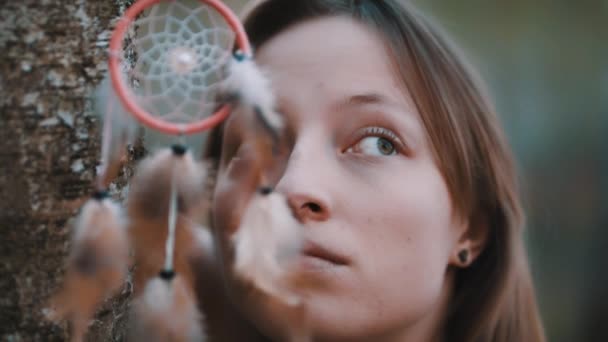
<point>269,236</point>
<point>108,102</point>
<point>167,311</point>
<point>119,126</point>
<point>204,240</point>
<point>253,88</point>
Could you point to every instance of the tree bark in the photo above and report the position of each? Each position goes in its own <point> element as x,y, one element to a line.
<point>53,54</point>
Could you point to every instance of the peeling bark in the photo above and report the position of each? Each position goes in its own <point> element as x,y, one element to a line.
<point>53,55</point>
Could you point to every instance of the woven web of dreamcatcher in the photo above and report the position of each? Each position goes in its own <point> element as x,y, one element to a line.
<point>177,59</point>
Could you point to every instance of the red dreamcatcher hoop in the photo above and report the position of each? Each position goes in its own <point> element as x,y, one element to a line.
<point>175,53</point>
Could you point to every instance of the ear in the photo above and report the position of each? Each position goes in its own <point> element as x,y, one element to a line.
<point>472,239</point>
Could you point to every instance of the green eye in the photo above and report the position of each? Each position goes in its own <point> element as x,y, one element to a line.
<point>377,141</point>
<point>377,146</point>
<point>385,147</point>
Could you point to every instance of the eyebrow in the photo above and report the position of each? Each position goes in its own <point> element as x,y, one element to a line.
<point>364,99</point>
<point>408,123</point>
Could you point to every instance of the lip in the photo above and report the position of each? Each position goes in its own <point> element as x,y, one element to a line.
<point>324,255</point>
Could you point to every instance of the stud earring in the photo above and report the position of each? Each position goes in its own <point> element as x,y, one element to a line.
<point>463,256</point>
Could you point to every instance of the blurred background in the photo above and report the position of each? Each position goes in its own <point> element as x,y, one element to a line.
<point>546,65</point>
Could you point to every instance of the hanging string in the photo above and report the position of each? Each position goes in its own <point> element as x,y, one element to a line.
<point>181,138</point>
<point>170,244</point>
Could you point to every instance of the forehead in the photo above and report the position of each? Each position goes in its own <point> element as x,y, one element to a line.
<point>330,57</point>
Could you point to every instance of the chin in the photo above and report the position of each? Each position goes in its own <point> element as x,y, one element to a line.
<point>318,319</point>
<point>273,318</point>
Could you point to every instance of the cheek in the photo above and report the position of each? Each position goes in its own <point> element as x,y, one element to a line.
<point>408,236</point>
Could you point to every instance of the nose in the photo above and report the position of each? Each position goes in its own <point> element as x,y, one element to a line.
<point>305,178</point>
<point>307,208</point>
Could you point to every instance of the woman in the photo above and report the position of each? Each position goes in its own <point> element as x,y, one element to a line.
<point>398,170</point>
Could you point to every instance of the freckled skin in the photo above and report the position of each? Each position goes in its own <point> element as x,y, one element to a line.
<point>390,215</point>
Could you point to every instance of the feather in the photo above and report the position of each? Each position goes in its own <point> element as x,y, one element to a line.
<point>203,240</point>
<point>249,87</point>
<point>148,209</point>
<point>119,130</point>
<point>166,311</point>
<point>267,239</point>
<point>97,266</point>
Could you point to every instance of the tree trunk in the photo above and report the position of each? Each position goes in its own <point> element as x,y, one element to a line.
<point>53,54</point>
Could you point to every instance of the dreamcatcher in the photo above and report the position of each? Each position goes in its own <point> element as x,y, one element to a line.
<point>174,69</point>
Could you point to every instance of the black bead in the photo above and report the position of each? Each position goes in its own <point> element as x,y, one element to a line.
<point>167,275</point>
<point>100,195</point>
<point>179,150</point>
<point>265,190</point>
<point>240,56</point>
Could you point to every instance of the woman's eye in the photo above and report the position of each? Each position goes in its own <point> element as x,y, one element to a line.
<point>377,141</point>
<point>377,146</point>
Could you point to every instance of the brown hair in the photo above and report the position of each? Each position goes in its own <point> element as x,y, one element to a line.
<point>493,299</point>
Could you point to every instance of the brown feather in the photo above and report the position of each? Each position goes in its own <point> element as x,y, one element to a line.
<point>96,268</point>
<point>149,239</point>
<point>148,208</point>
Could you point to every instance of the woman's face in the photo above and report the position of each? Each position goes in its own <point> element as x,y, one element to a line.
<point>363,181</point>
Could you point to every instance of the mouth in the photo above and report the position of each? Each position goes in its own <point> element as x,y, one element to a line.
<point>320,254</point>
